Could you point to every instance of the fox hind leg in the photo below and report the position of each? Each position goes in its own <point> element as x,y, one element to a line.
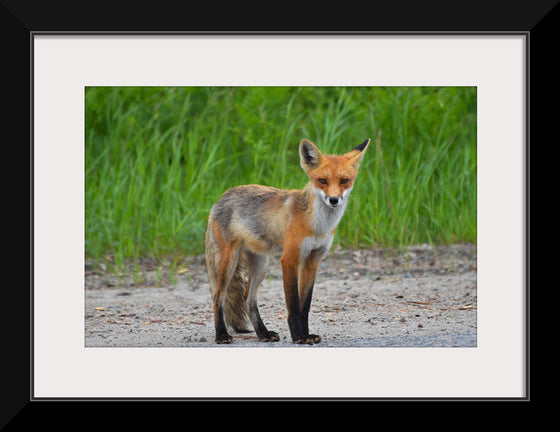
<point>229,258</point>
<point>213,266</point>
<point>257,265</point>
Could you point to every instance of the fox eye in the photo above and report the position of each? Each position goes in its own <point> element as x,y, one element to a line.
<point>343,181</point>
<point>323,181</point>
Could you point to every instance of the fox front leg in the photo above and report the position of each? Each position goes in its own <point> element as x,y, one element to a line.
<point>306,283</point>
<point>298,331</point>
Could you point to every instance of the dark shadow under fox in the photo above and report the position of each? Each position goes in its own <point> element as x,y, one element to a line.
<point>251,223</point>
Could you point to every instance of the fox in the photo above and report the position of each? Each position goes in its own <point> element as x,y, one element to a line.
<point>251,223</point>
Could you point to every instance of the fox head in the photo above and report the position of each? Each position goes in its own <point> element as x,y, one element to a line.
<point>332,177</point>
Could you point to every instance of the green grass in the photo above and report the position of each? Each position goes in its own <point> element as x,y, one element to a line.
<point>156,159</point>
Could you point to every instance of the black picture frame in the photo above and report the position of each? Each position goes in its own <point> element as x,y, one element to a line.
<point>21,20</point>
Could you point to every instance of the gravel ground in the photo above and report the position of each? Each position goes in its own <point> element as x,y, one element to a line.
<point>422,297</point>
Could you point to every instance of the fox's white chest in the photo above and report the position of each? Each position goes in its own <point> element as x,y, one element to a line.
<point>324,221</point>
<point>318,245</point>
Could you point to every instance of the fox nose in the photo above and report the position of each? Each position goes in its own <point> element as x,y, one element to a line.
<point>333,200</point>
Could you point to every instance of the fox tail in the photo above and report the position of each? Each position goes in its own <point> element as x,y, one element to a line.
<point>235,308</point>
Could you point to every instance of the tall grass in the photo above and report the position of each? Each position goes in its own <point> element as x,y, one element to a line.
<point>156,159</point>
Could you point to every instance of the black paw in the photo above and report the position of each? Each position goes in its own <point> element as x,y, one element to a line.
<point>309,339</point>
<point>316,338</point>
<point>224,338</point>
<point>270,336</point>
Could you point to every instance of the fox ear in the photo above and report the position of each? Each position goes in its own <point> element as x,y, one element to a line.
<point>357,153</point>
<point>309,154</point>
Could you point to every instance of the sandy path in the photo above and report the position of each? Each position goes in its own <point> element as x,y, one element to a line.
<point>424,297</point>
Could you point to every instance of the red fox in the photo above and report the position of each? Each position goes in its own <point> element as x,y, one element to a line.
<point>249,223</point>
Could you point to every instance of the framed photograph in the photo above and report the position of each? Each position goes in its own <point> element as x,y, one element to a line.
<point>434,304</point>
<point>184,64</point>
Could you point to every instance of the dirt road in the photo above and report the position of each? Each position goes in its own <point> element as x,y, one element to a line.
<point>423,297</point>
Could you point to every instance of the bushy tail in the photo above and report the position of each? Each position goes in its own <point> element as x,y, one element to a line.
<point>235,307</point>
